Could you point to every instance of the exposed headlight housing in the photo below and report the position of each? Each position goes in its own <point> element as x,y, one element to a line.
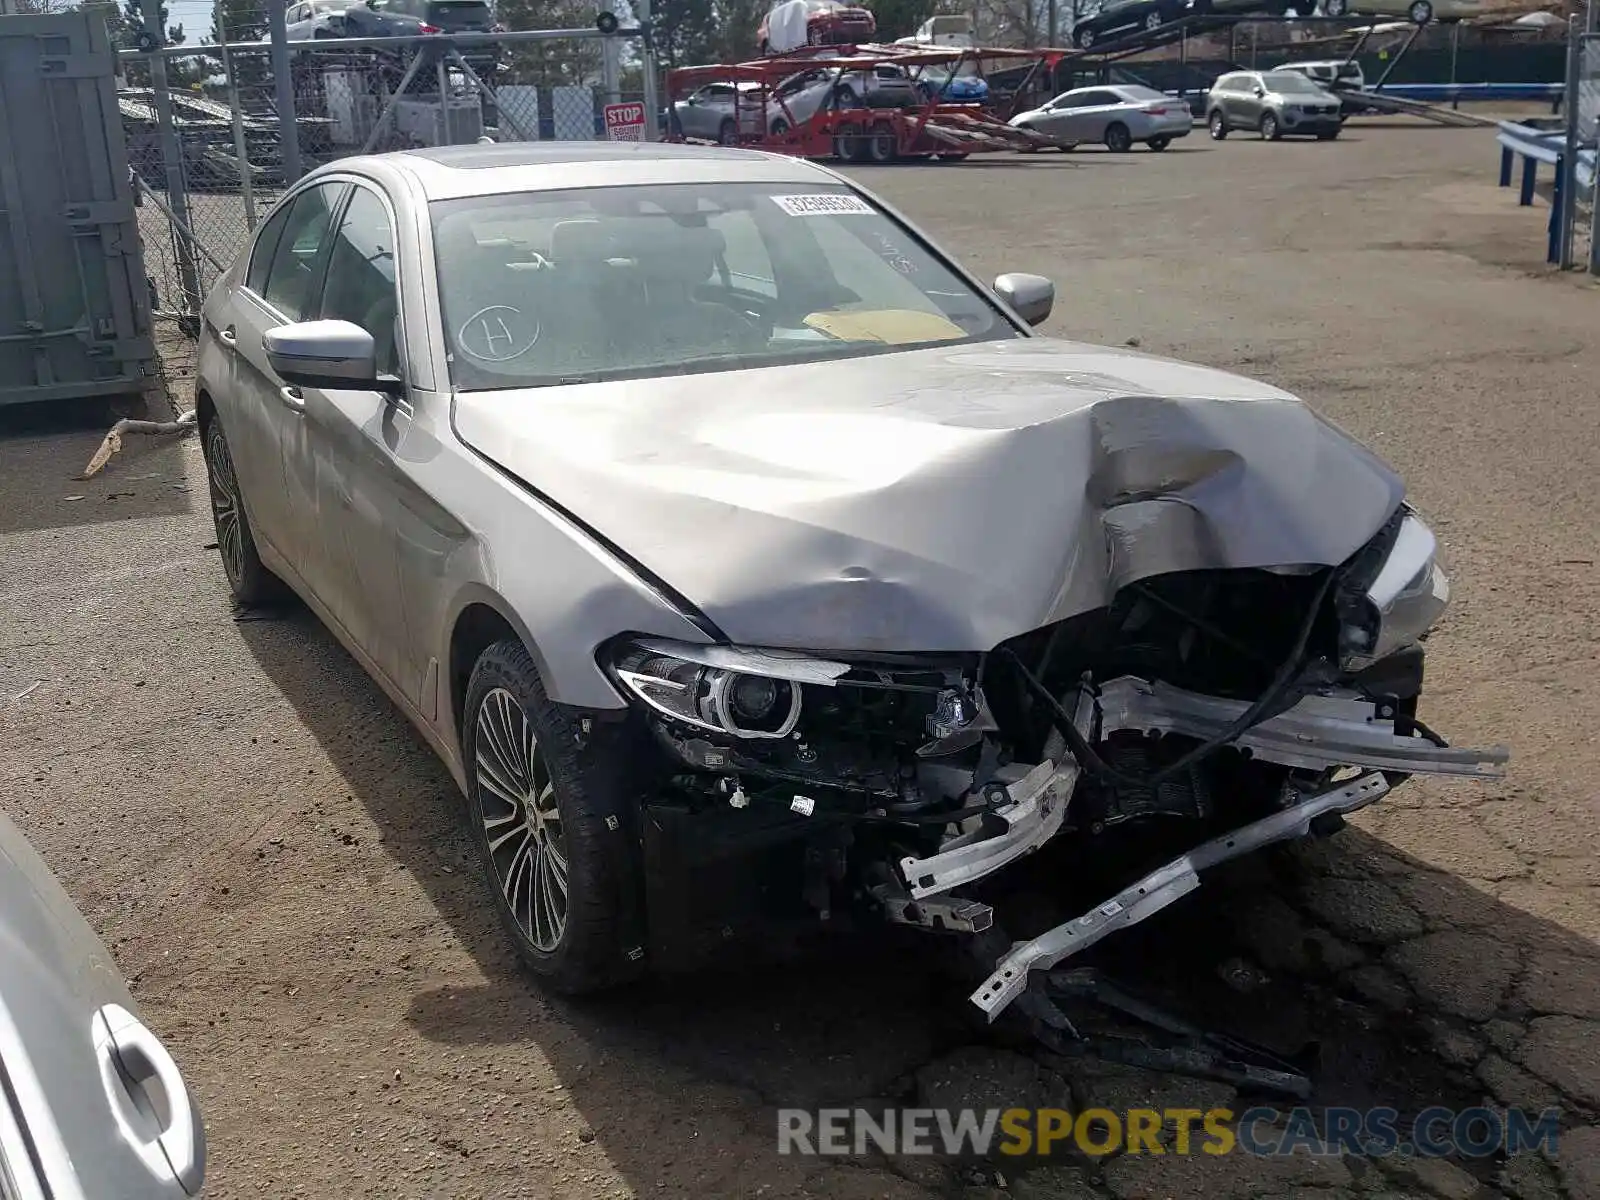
<point>730,690</point>
<point>1393,598</point>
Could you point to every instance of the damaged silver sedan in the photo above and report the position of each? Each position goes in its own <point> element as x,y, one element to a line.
<point>749,562</point>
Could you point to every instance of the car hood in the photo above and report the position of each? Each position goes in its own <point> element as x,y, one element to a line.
<point>939,499</point>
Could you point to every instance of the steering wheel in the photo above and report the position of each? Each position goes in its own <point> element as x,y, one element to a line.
<point>498,333</point>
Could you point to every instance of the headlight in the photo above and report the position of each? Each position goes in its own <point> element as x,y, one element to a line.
<point>726,689</point>
<point>1398,602</point>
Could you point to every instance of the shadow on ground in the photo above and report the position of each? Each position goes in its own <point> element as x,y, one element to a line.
<point>1404,985</point>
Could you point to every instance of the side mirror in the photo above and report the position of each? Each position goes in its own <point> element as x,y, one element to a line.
<point>334,355</point>
<point>1259,91</point>
<point>1030,296</point>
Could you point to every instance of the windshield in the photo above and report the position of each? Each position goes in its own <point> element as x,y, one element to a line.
<point>624,282</point>
<point>1288,83</point>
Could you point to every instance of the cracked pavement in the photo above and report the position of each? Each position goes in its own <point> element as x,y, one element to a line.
<point>278,863</point>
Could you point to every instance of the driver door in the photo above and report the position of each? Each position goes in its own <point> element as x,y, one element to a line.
<point>359,439</point>
<point>1062,119</point>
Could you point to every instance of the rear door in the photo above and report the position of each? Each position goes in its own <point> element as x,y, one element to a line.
<point>1096,110</point>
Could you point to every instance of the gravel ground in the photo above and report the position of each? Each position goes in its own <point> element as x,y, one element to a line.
<point>277,862</point>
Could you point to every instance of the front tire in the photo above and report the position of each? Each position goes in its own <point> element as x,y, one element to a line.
<point>1118,139</point>
<point>552,825</point>
<point>1159,143</point>
<point>727,133</point>
<point>1420,12</point>
<point>1269,128</point>
<point>1218,126</point>
<point>248,578</point>
<point>1083,38</point>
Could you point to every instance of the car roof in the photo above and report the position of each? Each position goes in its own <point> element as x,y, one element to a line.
<point>451,172</point>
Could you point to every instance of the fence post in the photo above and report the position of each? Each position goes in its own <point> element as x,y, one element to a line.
<point>172,163</point>
<point>240,151</point>
<point>647,61</point>
<point>1567,196</point>
<point>283,88</point>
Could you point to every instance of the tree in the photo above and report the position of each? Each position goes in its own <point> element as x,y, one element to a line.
<point>901,18</point>
<point>238,21</point>
<point>133,17</point>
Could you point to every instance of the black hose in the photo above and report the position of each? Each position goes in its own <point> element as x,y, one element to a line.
<point>1253,715</point>
<point>1429,734</point>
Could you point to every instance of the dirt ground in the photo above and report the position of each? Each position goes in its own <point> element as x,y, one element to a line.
<point>278,863</point>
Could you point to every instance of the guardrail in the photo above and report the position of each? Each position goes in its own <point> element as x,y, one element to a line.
<point>1534,146</point>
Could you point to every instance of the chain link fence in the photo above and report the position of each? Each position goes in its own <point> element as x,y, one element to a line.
<point>213,139</point>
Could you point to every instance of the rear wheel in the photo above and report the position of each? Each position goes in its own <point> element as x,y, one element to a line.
<point>1218,125</point>
<point>728,133</point>
<point>248,578</point>
<point>883,143</point>
<point>1269,127</point>
<point>1152,22</point>
<point>552,825</point>
<point>1118,139</point>
<point>1159,143</point>
<point>1083,38</point>
<point>1420,12</point>
<point>848,141</point>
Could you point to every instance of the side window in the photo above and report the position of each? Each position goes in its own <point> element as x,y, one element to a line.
<point>1070,100</point>
<point>261,255</point>
<point>1096,99</point>
<point>291,279</point>
<point>361,275</point>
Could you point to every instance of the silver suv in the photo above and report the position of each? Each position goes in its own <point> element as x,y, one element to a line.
<point>1274,103</point>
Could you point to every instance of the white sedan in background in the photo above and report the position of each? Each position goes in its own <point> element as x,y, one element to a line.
<point>1115,117</point>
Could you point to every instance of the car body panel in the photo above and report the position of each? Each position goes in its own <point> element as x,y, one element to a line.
<point>57,980</point>
<point>1125,465</point>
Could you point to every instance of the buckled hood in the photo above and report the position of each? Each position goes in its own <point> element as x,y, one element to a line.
<point>937,500</point>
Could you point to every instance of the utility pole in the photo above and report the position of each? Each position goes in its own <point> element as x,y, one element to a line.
<point>1052,34</point>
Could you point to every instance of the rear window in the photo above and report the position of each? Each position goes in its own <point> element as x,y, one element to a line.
<point>454,13</point>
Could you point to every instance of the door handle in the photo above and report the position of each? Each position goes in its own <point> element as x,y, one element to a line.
<point>229,337</point>
<point>293,397</point>
<point>149,1099</point>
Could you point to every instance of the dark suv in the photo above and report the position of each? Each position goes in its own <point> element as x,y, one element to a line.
<point>1115,21</point>
<point>451,16</point>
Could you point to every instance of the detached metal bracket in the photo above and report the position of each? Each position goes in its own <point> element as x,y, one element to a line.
<point>1319,731</point>
<point>1148,896</point>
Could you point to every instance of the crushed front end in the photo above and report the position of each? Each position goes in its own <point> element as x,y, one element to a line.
<point>1227,708</point>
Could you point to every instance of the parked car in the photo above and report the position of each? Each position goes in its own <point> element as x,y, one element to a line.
<point>1127,17</point>
<point>322,19</point>
<point>710,112</point>
<point>1274,103</point>
<point>1419,12</point>
<point>750,565</point>
<point>1116,117</point>
<point>961,84</point>
<point>1329,74</point>
<point>814,23</point>
<point>1304,8</point>
<point>883,86</point>
<point>93,1105</point>
<point>947,29</point>
<point>1344,78</point>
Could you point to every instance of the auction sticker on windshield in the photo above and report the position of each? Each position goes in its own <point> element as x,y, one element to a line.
<point>830,205</point>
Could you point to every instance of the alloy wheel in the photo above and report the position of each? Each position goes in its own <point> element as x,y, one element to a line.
<point>521,821</point>
<point>225,504</point>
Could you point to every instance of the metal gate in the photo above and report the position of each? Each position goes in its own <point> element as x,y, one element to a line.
<point>74,305</point>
